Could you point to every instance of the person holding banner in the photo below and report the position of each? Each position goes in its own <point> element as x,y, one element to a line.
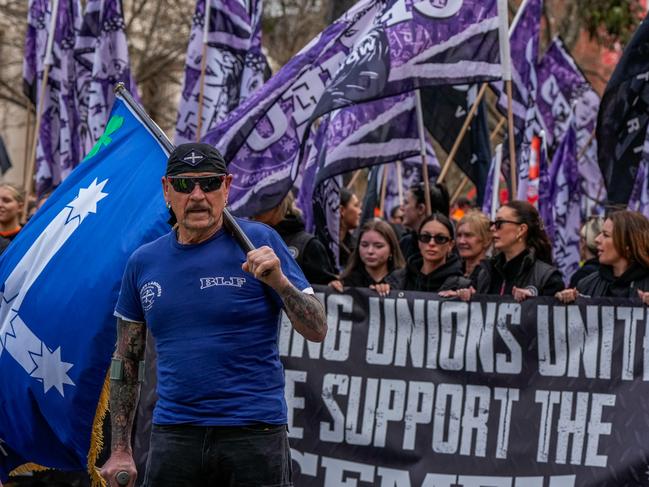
<point>623,253</point>
<point>436,268</point>
<point>374,258</point>
<point>221,415</point>
<point>522,266</point>
<point>473,242</point>
<point>587,249</point>
<point>414,213</point>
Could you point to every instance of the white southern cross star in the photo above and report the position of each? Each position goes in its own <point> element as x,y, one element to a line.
<point>86,201</point>
<point>51,369</point>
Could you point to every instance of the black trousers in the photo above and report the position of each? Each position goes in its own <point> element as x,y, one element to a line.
<point>245,456</point>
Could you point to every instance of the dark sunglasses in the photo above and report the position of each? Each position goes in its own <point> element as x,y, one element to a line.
<point>438,239</point>
<point>499,223</point>
<point>186,184</point>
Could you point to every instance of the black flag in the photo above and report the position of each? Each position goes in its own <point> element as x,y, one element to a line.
<point>5,161</point>
<point>623,117</point>
<point>445,110</point>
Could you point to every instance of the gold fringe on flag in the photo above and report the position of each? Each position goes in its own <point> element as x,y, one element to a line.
<point>97,438</point>
<point>96,442</point>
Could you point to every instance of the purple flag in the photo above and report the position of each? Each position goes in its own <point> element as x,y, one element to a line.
<point>639,200</point>
<point>358,136</point>
<point>545,190</point>
<point>38,23</point>
<point>403,45</point>
<point>101,54</point>
<point>235,66</point>
<point>524,42</point>
<point>560,83</point>
<point>57,151</point>
<point>565,197</point>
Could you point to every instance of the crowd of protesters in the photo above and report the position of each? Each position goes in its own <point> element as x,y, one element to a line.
<point>457,251</point>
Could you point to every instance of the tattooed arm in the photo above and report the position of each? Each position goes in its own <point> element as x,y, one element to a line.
<point>124,392</point>
<point>304,310</point>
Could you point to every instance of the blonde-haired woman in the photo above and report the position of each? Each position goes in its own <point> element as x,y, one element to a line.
<point>12,201</point>
<point>473,241</point>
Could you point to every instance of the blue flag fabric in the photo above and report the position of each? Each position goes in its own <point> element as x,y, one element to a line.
<point>61,277</point>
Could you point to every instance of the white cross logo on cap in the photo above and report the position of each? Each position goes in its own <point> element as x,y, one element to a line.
<point>193,158</point>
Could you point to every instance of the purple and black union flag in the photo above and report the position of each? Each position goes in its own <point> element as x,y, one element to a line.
<point>101,56</point>
<point>234,63</point>
<point>623,118</point>
<point>58,150</point>
<point>373,51</point>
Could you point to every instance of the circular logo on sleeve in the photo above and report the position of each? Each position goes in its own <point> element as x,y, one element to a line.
<point>148,294</point>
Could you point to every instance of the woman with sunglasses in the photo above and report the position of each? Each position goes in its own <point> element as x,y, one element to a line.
<point>435,268</point>
<point>623,254</point>
<point>414,213</point>
<point>522,265</point>
<point>374,258</point>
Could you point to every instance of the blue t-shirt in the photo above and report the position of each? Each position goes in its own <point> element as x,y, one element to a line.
<point>215,327</point>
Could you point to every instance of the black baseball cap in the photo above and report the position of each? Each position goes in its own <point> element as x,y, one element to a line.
<point>195,157</point>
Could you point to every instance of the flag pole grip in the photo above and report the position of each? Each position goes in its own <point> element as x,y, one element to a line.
<point>228,220</point>
<point>122,477</point>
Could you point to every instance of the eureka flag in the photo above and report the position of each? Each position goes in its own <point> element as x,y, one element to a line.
<point>60,280</point>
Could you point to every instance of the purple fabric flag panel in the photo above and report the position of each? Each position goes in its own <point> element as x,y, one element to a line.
<point>524,45</point>
<point>416,45</point>
<point>396,44</point>
<point>560,83</point>
<point>565,194</point>
<point>377,132</point>
<point>102,61</point>
<point>38,22</point>
<point>263,136</point>
<point>234,64</point>
<point>58,150</point>
<point>639,200</point>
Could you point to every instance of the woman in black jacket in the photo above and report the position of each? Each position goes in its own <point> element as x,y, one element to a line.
<point>373,259</point>
<point>436,268</point>
<point>522,264</point>
<point>623,253</point>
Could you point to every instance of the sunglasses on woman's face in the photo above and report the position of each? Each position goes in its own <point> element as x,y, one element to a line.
<point>499,223</point>
<point>186,184</point>
<point>438,239</point>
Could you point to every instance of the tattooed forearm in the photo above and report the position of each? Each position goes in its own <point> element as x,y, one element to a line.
<point>305,312</point>
<point>131,338</point>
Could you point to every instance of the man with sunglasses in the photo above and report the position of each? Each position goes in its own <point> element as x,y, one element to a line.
<point>214,311</point>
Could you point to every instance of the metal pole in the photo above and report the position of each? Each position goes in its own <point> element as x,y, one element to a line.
<point>201,90</point>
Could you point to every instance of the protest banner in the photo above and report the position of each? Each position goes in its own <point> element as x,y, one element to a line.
<point>412,390</point>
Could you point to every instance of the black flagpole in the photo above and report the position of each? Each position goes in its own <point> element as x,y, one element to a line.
<point>228,220</point>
